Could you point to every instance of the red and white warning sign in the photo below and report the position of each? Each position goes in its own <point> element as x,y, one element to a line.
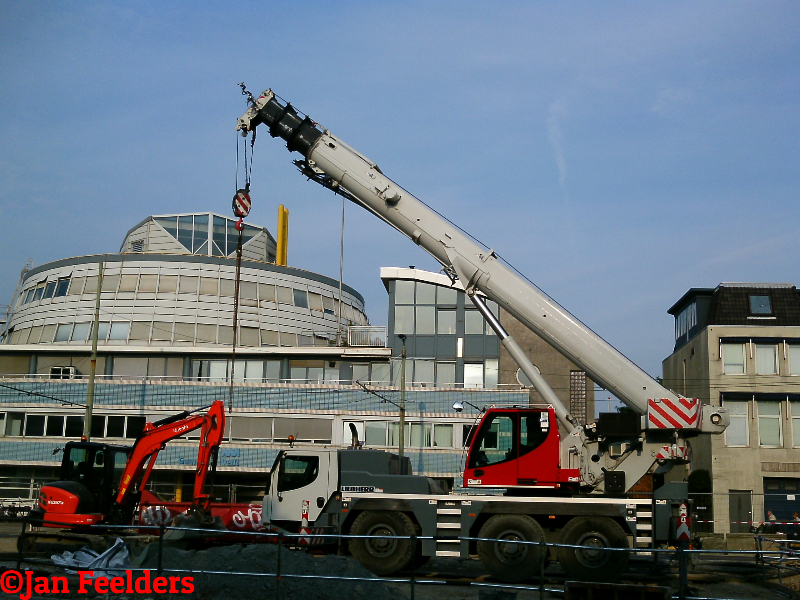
<point>241,203</point>
<point>665,413</point>
<point>683,532</point>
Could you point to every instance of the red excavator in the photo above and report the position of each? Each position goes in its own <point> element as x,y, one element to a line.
<point>103,483</point>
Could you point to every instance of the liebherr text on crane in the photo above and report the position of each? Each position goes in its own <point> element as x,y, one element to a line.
<point>585,469</point>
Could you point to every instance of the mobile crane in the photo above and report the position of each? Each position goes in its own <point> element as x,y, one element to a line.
<point>102,483</point>
<point>588,466</point>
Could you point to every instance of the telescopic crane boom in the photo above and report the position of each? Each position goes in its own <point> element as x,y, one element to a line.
<point>669,419</point>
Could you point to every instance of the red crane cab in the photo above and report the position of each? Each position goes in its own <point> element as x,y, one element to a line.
<point>518,448</point>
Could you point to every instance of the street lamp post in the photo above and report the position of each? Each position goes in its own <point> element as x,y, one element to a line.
<point>401,444</point>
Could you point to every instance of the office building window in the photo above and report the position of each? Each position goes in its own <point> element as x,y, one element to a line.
<point>794,360</point>
<point>445,322</point>
<point>300,298</point>
<point>473,375</point>
<point>473,322</point>
<point>76,286</point>
<point>55,426</point>
<point>733,359</point>
<point>685,320</point>
<point>34,425</point>
<point>49,290</point>
<point>491,373</point>
<point>737,435</point>
<point>62,287</point>
<point>760,305</point>
<point>426,293</point>
<point>443,435</point>
<point>147,285</point>
<point>80,332</point>
<point>769,423</point>
<point>285,295</point>
<point>794,406</point>
<point>404,319</point>
<point>403,292</point>
<point>128,283</point>
<point>445,374</point>
<point>63,332</point>
<point>375,433</point>
<point>766,359</point>
<point>119,330</point>
<point>423,372</point>
<point>446,296</point>
<point>426,324</point>
<point>361,372</point>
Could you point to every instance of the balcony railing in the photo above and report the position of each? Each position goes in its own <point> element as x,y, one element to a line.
<point>366,336</point>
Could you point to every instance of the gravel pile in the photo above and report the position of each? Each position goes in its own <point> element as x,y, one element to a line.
<point>262,558</point>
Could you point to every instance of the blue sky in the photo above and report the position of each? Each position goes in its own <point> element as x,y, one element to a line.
<point>616,153</point>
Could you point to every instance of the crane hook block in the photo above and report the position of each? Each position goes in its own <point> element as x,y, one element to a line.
<point>241,203</point>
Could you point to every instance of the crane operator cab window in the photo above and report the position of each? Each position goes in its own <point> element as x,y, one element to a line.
<point>297,472</point>
<point>494,440</point>
<point>507,436</point>
<point>534,427</point>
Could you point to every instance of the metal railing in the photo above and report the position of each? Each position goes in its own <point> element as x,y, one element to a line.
<point>366,336</point>
<point>669,562</point>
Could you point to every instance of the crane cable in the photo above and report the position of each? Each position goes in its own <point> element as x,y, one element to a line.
<point>241,208</point>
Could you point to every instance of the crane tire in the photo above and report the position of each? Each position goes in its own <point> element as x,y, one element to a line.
<point>594,563</point>
<point>506,560</point>
<point>382,556</point>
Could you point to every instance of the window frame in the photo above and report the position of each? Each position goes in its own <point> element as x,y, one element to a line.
<point>759,348</point>
<point>794,422</point>
<point>723,347</point>
<point>778,418</point>
<point>757,310</point>
<point>745,417</point>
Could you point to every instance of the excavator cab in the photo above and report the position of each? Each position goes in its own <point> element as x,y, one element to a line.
<point>89,480</point>
<point>99,467</point>
<point>517,448</point>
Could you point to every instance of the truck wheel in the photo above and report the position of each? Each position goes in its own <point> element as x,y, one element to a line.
<point>593,563</point>
<point>380,555</point>
<point>507,560</point>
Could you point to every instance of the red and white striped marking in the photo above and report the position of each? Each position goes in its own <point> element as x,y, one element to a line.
<point>304,530</point>
<point>683,413</point>
<point>241,203</point>
<point>674,452</point>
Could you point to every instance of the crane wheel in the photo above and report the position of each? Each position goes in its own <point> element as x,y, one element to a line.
<point>380,555</point>
<point>593,563</point>
<point>506,559</point>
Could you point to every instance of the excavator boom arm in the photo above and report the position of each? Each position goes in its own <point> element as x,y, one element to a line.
<point>156,435</point>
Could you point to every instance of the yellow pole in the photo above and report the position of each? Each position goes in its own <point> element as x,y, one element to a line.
<point>281,240</point>
<point>285,233</point>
